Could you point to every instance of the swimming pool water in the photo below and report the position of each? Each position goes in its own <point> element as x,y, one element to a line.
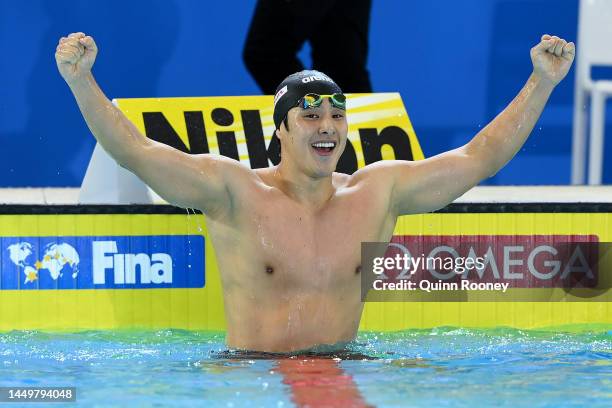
<point>448,367</point>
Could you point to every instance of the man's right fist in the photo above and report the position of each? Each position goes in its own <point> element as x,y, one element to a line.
<point>75,55</point>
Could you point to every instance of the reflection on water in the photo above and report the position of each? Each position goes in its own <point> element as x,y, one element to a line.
<point>317,382</point>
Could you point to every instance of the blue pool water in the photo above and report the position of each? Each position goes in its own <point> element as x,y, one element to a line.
<point>447,367</point>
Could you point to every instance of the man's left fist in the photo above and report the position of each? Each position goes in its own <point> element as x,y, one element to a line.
<point>552,58</point>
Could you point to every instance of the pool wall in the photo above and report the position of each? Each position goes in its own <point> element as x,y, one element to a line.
<point>192,299</point>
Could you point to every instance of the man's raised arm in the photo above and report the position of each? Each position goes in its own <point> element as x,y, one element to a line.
<point>431,184</point>
<point>194,181</point>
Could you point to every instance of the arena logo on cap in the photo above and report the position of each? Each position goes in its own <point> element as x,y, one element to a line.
<point>315,78</point>
<point>280,94</point>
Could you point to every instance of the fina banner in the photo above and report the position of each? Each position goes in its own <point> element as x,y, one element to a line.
<point>242,128</point>
<point>102,262</point>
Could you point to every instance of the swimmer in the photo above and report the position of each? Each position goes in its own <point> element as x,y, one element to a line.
<point>288,238</point>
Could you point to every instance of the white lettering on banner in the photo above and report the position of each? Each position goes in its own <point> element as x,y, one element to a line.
<point>100,261</point>
<point>106,256</point>
<point>556,265</point>
<point>488,260</point>
<point>577,257</point>
<point>512,262</point>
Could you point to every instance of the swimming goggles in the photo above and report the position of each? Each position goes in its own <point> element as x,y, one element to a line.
<point>313,100</point>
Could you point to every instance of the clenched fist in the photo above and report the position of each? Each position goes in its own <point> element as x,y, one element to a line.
<point>552,58</point>
<point>75,55</point>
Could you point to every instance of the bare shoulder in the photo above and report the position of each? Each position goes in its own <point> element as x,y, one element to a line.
<point>265,176</point>
<point>340,180</point>
<point>234,173</point>
<point>231,178</point>
<point>381,173</point>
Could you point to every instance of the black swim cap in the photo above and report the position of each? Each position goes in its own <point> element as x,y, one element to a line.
<point>295,86</point>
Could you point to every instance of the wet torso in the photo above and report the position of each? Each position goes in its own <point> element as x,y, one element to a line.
<point>291,275</point>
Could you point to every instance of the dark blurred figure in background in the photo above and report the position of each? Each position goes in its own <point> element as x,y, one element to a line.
<point>336,29</point>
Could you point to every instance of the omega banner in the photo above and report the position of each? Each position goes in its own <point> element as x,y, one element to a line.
<point>242,128</point>
<point>531,268</point>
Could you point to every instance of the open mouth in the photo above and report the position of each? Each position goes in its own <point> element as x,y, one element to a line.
<point>323,148</point>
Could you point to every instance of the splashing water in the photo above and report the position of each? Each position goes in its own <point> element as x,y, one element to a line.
<point>444,366</point>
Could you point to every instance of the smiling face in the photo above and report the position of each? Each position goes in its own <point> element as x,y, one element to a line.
<point>315,140</point>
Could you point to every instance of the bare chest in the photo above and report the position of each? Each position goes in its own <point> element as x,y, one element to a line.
<point>297,248</point>
<point>294,240</point>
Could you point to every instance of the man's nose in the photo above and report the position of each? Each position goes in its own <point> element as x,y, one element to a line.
<point>327,126</point>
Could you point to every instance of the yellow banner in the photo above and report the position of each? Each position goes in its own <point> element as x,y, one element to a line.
<point>241,127</point>
<point>202,308</point>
